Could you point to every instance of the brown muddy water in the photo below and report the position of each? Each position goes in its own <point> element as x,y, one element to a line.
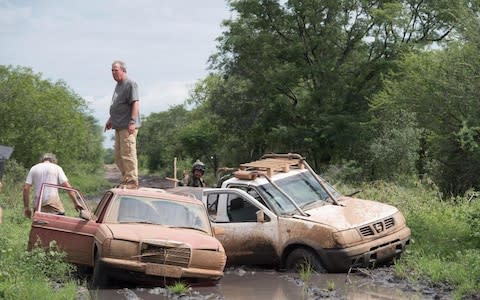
<point>241,283</point>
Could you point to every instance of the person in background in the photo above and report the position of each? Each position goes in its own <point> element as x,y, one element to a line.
<point>195,178</point>
<point>47,171</point>
<point>125,119</point>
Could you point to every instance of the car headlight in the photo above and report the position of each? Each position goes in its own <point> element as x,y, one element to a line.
<point>122,249</point>
<point>346,237</point>
<point>399,219</point>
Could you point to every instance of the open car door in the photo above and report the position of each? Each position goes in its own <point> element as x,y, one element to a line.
<point>73,232</point>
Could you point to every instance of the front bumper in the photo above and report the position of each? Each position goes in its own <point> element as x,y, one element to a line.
<point>159,270</point>
<point>367,254</point>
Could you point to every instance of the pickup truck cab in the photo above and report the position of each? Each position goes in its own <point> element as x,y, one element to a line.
<point>278,211</point>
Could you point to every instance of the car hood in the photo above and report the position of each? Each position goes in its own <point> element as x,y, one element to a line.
<point>156,234</point>
<point>351,213</point>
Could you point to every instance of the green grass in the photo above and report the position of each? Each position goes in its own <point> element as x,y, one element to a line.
<point>445,245</point>
<point>305,272</point>
<point>30,275</point>
<point>178,288</point>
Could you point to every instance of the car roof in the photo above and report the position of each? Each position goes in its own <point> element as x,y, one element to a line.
<point>188,191</point>
<point>260,180</point>
<point>155,193</point>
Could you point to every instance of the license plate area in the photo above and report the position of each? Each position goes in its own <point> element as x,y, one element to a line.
<point>163,270</point>
<point>386,252</point>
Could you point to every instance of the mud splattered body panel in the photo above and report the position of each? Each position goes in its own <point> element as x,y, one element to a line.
<point>273,207</point>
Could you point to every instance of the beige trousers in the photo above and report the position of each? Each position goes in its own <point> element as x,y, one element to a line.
<point>53,205</point>
<point>126,155</point>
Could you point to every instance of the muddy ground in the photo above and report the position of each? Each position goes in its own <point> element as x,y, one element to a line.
<point>242,282</point>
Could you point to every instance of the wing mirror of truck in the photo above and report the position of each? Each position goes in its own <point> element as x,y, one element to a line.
<point>260,216</point>
<point>218,230</point>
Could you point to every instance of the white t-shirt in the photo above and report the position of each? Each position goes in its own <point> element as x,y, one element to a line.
<point>46,172</point>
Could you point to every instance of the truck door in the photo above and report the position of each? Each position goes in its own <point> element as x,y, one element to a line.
<point>246,241</point>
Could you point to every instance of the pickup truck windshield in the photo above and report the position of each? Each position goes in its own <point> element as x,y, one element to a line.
<point>303,188</point>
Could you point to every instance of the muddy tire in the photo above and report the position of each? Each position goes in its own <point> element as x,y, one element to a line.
<point>301,257</point>
<point>100,278</point>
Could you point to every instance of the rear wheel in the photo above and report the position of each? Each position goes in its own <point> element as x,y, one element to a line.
<point>100,277</point>
<point>302,258</point>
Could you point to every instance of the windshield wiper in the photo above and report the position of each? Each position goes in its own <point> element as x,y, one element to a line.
<point>138,221</point>
<point>189,227</point>
<point>311,203</point>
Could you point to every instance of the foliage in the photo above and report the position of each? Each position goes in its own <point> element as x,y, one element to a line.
<point>382,88</point>
<point>39,116</point>
<point>158,138</point>
<point>40,274</point>
<point>296,75</point>
<point>178,288</point>
<point>440,91</point>
<point>306,270</point>
<point>444,248</point>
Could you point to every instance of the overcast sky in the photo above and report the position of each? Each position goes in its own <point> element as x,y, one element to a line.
<point>165,44</point>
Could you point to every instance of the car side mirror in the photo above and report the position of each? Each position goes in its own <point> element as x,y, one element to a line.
<point>218,230</point>
<point>85,214</point>
<point>260,216</point>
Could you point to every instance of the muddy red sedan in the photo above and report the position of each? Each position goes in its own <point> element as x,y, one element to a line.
<point>145,235</point>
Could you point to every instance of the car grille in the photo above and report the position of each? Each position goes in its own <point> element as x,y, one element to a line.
<point>377,227</point>
<point>174,256</point>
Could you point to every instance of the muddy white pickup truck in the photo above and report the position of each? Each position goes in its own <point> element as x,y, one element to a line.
<point>278,211</point>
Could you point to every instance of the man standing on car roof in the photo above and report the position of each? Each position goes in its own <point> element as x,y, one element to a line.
<point>47,171</point>
<point>125,119</point>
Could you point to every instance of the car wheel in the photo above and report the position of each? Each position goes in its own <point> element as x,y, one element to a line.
<point>100,277</point>
<point>301,257</point>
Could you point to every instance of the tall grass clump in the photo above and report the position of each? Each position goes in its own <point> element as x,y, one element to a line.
<point>445,241</point>
<point>40,274</point>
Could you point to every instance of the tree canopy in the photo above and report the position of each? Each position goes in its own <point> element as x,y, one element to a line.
<point>342,82</point>
<point>40,116</point>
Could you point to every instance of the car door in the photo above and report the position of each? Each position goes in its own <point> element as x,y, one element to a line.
<point>246,241</point>
<point>71,233</point>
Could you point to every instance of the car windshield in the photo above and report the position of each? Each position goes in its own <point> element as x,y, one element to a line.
<point>136,209</point>
<point>303,188</point>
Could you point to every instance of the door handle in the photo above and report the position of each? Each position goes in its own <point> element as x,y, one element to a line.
<point>40,222</point>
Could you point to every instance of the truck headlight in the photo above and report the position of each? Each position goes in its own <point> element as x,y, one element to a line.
<point>346,237</point>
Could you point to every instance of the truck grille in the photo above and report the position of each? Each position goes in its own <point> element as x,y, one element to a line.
<point>377,227</point>
<point>165,255</point>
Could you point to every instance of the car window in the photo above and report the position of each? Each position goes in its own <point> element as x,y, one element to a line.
<point>136,209</point>
<point>59,202</point>
<point>212,205</point>
<point>241,210</point>
<point>252,192</point>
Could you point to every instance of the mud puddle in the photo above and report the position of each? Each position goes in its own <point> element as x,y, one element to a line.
<point>240,283</point>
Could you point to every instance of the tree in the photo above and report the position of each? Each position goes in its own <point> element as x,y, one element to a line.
<point>159,138</point>
<point>40,116</point>
<point>298,74</point>
<point>442,90</point>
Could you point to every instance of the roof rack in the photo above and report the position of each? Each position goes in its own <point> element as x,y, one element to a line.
<point>269,165</point>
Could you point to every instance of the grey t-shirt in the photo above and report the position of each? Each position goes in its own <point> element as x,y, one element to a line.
<point>126,92</point>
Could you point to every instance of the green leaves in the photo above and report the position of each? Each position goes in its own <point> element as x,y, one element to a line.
<point>40,116</point>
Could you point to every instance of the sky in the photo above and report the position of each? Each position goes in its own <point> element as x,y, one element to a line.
<point>165,44</point>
